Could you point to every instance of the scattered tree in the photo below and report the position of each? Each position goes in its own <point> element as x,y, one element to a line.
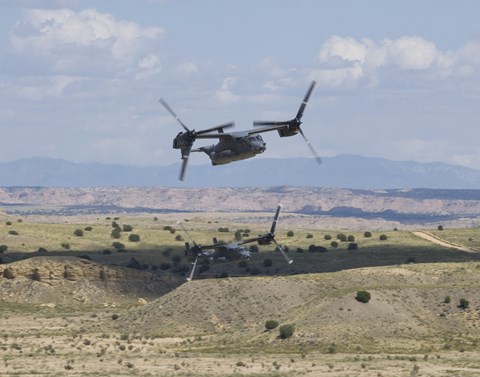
<point>286,331</point>
<point>115,233</point>
<point>352,246</point>
<point>271,324</point>
<point>363,296</point>
<point>127,228</point>
<point>134,238</point>
<point>267,262</point>
<point>464,304</point>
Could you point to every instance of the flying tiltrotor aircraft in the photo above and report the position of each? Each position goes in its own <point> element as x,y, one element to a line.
<point>240,145</point>
<point>230,251</point>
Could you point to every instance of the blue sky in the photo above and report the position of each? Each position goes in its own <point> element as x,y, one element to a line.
<point>80,79</point>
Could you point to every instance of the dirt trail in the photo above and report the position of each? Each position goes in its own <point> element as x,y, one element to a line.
<point>430,237</point>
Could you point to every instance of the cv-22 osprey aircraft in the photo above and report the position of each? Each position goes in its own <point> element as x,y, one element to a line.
<point>239,145</point>
<point>230,251</point>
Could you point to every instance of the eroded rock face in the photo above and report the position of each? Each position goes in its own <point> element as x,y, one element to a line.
<point>63,277</point>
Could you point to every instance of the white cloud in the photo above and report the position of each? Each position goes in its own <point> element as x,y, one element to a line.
<point>345,61</point>
<point>65,36</point>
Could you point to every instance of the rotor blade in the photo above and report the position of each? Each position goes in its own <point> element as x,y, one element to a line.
<point>220,127</point>
<point>315,154</point>
<point>192,269</point>
<point>185,157</point>
<point>260,123</point>
<point>274,223</point>
<point>169,109</point>
<point>179,222</point>
<point>284,254</point>
<point>305,100</point>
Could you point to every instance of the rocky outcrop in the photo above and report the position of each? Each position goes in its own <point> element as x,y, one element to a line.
<point>68,276</point>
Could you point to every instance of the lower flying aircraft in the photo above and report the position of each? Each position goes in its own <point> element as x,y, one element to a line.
<point>233,250</point>
<point>240,145</point>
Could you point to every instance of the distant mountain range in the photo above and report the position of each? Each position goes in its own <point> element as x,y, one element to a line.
<point>347,171</point>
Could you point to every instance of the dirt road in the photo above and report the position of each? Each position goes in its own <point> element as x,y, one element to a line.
<point>430,237</point>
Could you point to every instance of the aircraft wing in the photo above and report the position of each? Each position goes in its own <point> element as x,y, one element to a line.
<point>237,134</point>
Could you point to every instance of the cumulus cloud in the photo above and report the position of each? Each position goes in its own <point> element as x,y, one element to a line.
<point>61,36</point>
<point>343,61</point>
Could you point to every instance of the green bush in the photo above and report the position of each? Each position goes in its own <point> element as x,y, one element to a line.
<point>127,228</point>
<point>267,262</point>
<point>78,232</point>
<point>342,237</point>
<point>309,235</point>
<point>363,296</point>
<point>118,246</point>
<point>351,238</point>
<point>290,233</point>
<point>352,246</point>
<point>367,234</point>
<point>464,303</point>
<point>115,233</point>
<point>271,324</point>
<point>440,227</point>
<point>327,237</point>
<point>334,244</point>
<point>286,331</point>
<point>134,238</point>
<point>383,237</point>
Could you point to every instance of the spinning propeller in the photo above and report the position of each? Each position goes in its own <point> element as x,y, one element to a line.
<point>293,125</point>
<point>184,140</point>
<point>268,238</point>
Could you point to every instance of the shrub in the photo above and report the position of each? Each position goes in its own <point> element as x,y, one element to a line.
<point>352,246</point>
<point>367,234</point>
<point>351,238</point>
<point>118,246</point>
<point>178,237</point>
<point>78,232</point>
<point>267,262</point>
<point>8,223</point>
<point>115,225</point>
<point>88,229</point>
<point>271,324</point>
<point>440,227</point>
<point>238,235</point>
<point>222,275</point>
<point>223,230</point>
<point>334,244</point>
<point>42,250</point>
<point>464,304</point>
<point>447,300</point>
<point>134,238</point>
<point>327,237</point>
<point>253,249</point>
<point>13,232</point>
<point>363,296</point>
<point>290,233</point>
<point>115,233</point>
<point>115,316</point>
<point>309,235</point>
<point>342,237</point>
<point>65,245</point>
<point>286,331</point>
<point>3,248</point>
<point>383,237</point>
<point>127,228</point>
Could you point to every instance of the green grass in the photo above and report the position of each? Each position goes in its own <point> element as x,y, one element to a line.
<point>158,245</point>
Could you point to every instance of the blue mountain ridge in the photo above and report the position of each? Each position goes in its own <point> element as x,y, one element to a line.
<point>343,171</point>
